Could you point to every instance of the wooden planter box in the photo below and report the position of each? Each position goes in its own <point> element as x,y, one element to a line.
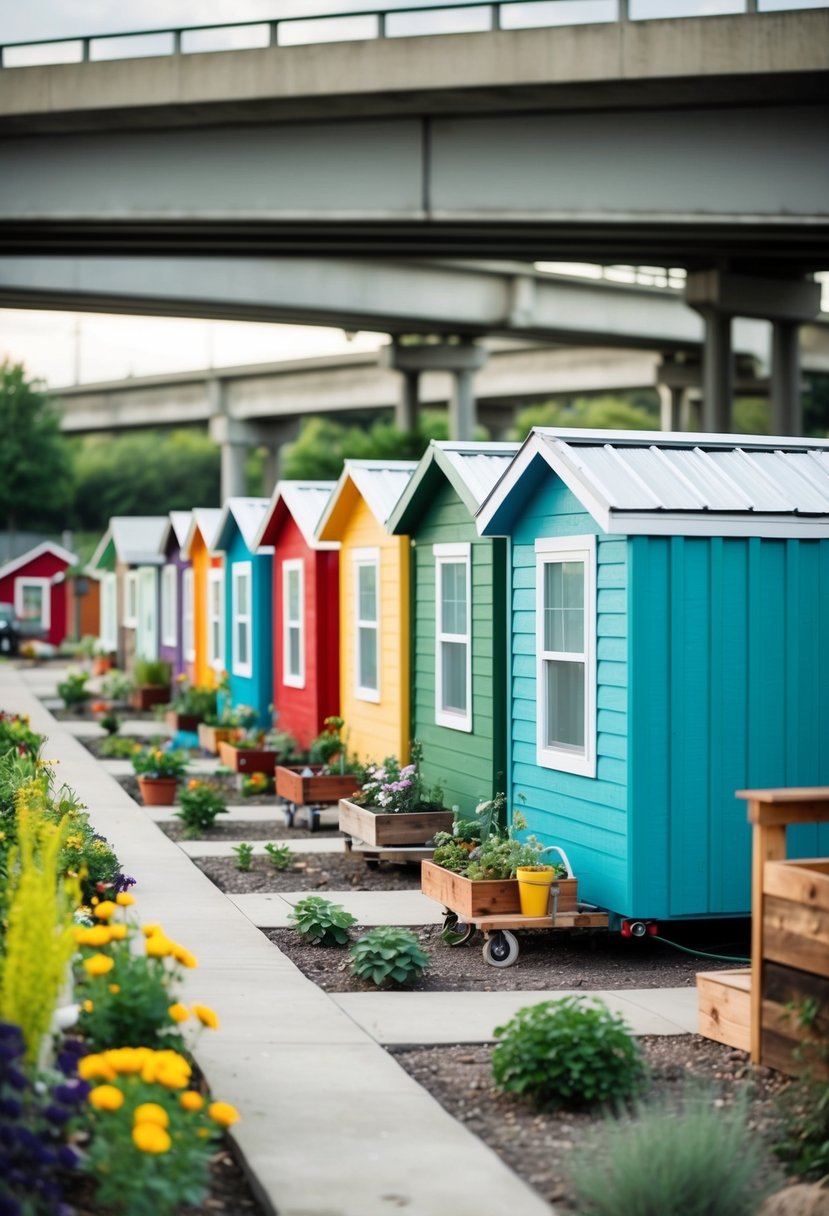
<point>148,695</point>
<point>188,722</point>
<point>481,897</point>
<point>211,736</point>
<point>247,759</point>
<point>307,791</point>
<point>408,827</point>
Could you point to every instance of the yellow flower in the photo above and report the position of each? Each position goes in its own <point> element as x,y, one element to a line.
<point>183,956</point>
<point>150,1138</point>
<point>117,933</point>
<point>124,899</point>
<point>136,748</point>
<point>206,1016</point>
<point>87,1006</point>
<point>105,910</point>
<point>106,1097</point>
<point>149,930</point>
<point>171,1077</point>
<point>97,935</point>
<point>95,1068</point>
<point>223,1113</point>
<point>98,964</point>
<point>115,989</point>
<point>193,784</point>
<point>151,1112</point>
<point>125,1059</point>
<point>179,1012</point>
<point>158,946</point>
<point>190,1100</point>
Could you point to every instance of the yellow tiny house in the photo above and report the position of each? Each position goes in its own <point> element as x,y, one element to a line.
<point>374,606</point>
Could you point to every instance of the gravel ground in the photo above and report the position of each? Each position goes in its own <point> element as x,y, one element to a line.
<point>310,872</point>
<point>540,1147</point>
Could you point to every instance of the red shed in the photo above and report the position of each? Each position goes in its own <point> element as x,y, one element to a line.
<point>306,595</point>
<point>35,584</point>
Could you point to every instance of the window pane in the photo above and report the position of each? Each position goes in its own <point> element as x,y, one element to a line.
<point>33,605</point>
<point>367,674</point>
<point>453,597</point>
<point>367,592</point>
<point>293,650</point>
<point>564,607</point>
<point>565,704</point>
<point>242,642</point>
<point>453,676</point>
<point>242,595</point>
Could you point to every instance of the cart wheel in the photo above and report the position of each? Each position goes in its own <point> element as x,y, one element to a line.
<point>372,863</point>
<point>288,812</point>
<point>501,949</point>
<point>456,932</point>
<point>313,819</point>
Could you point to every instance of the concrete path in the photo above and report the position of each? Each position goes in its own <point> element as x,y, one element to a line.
<point>143,728</point>
<point>370,907</point>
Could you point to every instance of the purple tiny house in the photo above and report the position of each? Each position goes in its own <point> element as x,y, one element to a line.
<point>174,592</point>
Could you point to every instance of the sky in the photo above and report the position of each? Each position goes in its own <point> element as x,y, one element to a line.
<point>64,348</point>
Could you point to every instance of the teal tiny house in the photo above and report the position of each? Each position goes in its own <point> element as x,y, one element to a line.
<point>669,646</point>
<point>458,632</point>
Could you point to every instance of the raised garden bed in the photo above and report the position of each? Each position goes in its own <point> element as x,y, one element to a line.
<point>295,786</point>
<point>211,736</point>
<point>472,899</point>
<point>381,829</point>
<point>247,759</point>
<point>183,722</point>
<point>147,696</point>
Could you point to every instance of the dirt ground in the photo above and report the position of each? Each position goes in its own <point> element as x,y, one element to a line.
<point>309,872</point>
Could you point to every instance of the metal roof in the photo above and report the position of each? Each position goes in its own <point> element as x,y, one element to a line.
<point>479,465</point>
<point>204,520</point>
<point>46,546</point>
<point>247,514</point>
<point>380,483</point>
<point>471,468</point>
<point>180,523</point>
<point>137,538</point>
<point>675,484</point>
<point>305,502</point>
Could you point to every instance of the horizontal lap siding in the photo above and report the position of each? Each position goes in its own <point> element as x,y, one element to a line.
<point>296,707</point>
<point>255,690</point>
<point>728,671</point>
<point>469,766</point>
<point>587,817</point>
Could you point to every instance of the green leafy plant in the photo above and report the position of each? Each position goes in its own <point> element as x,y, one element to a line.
<point>115,747</point>
<point>388,955</point>
<point>193,700</point>
<point>160,762</point>
<point>73,691</point>
<point>451,853</point>
<point>244,856</point>
<point>256,783</point>
<point>16,734</point>
<point>155,672</point>
<point>804,1145</point>
<point>321,922</point>
<point>700,1160</point>
<point>110,722</point>
<point>283,743</point>
<point>568,1053</point>
<point>280,856</point>
<point>116,686</point>
<point>200,802</point>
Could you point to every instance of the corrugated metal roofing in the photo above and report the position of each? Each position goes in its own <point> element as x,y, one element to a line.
<point>306,501</point>
<point>479,465</point>
<point>137,538</point>
<point>380,483</point>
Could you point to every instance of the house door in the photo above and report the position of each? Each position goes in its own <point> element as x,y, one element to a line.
<point>146,637</point>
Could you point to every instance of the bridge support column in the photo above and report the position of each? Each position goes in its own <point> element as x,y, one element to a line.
<point>786,402</point>
<point>234,439</point>
<point>407,410</point>
<point>462,412</point>
<point>717,372</point>
<point>461,358</point>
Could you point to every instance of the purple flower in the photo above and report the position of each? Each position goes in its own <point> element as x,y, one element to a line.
<point>67,1157</point>
<point>9,1206</point>
<point>11,1108</point>
<point>57,1114</point>
<point>71,1093</point>
<point>16,1078</point>
<point>123,882</point>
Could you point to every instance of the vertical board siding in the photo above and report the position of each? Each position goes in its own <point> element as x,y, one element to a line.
<point>587,817</point>
<point>296,707</point>
<point>255,690</point>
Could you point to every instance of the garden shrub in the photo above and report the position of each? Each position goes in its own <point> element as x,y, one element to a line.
<point>153,672</point>
<point>279,855</point>
<point>388,955</point>
<point>321,922</point>
<point>73,690</point>
<point>199,805</point>
<point>568,1053</point>
<point>244,856</point>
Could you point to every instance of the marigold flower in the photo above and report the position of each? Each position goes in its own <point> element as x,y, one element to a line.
<point>151,1112</point>
<point>105,909</point>
<point>124,899</point>
<point>158,946</point>
<point>98,964</point>
<point>150,1138</point>
<point>206,1016</point>
<point>117,933</point>
<point>95,1068</point>
<point>179,1012</point>
<point>223,1113</point>
<point>115,989</point>
<point>125,1059</point>
<point>106,1097</point>
<point>171,1077</point>
<point>149,930</point>
<point>190,1100</point>
<point>193,783</point>
<point>87,1006</point>
<point>184,956</point>
<point>96,935</point>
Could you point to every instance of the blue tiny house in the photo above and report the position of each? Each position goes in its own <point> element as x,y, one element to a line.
<point>248,613</point>
<point>666,594</point>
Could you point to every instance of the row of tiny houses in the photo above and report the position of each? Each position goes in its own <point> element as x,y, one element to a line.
<point>617,630</point>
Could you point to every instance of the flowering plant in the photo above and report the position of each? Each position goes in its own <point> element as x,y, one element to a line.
<point>193,700</point>
<point>200,803</point>
<point>256,783</point>
<point>393,790</point>
<point>159,762</point>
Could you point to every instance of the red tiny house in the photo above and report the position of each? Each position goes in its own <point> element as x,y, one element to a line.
<point>306,609</point>
<point>35,584</point>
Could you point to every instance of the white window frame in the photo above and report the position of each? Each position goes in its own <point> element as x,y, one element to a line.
<point>361,558</point>
<point>169,605</point>
<point>109,611</point>
<point>452,555</point>
<point>567,549</point>
<point>45,587</point>
<point>131,599</point>
<point>215,579</point>
<point>188,615</point>
<point>146,622</point>
<point>293,679</point>
<point>239,571</point>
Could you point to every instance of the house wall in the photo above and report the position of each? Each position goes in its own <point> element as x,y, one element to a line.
<point>199,671</point>
<point>470,766</point>
<point>588,817</point>
<point>173,654</point>
<point>45,565</point>
<point>83,617</point>
<point>257,689</point>
<point>376,729</point>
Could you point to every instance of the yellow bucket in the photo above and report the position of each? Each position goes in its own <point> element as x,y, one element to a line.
<point>534,884</point>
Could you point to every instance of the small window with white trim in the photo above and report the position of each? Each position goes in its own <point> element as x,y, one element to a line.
<point>33,603</point>
<point>453,636</point>
<point>131,599</point>
<point>293,616</point>
<point>215,618</point>
<point>367,623</point>
<point>566,653</point>
<point>241,593</point>
<point>169,605</point>
<point>188,625</point>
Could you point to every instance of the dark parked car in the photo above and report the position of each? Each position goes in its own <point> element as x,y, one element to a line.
<point>9,630</point>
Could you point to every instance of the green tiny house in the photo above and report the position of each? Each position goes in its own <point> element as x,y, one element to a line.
<point>459,631</point>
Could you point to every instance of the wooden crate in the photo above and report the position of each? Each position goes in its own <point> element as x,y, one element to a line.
<point>407,827</point>
<point>146,696</point>
<point>211,736</point>
<point>725,1007</point>
<point>473,899</point>
<point>186,722</point>
<point>319,787</point>
<point>247,759</point>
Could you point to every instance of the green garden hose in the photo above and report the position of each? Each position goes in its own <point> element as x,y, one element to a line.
<point>721,958</point>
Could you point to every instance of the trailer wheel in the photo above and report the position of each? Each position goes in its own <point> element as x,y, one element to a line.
<point>456,932</point>
<point>501,949</point>
<point>372,863</point>
<point>313,818</point>
<point>288,812</point>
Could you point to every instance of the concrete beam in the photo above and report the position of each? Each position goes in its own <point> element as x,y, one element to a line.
<point>743,295</point>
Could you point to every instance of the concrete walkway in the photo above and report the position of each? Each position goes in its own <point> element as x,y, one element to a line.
<point>370,907</point>
<point>224,848</point>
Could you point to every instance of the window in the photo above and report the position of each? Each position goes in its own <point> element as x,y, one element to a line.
<point>188,629</point>
<point>131,599</point>
<point>32,603</point>
<point>367,623</point>
<point>169,605</point>
<point>566,650</point>
<point>242,640</point>
<point>293,629</point>
<point>453,637</point>
<point>109,612</point>
<point>146,633</point>
<point>215,618</point>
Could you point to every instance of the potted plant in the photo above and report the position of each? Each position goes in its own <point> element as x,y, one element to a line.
<point>329,774</point>
<point>190,706</point>
<point>254,751</point>
<point>158,770</point>
<point>393,808</point>
<point>225,721</point>
<point>151,685</point>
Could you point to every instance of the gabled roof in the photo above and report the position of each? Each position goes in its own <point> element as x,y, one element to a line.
<point>472,469</point>
<point>135,539</point>
<point>378,482</point>
<point>47,546</point>
<point>246,515</point>
<point>178,526</point>
<point>675,484</point>
<point>204,520</point>
<point>305,502</point>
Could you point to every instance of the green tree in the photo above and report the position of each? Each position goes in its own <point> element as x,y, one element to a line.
<point>35,460</point>
<point>591,413</point>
